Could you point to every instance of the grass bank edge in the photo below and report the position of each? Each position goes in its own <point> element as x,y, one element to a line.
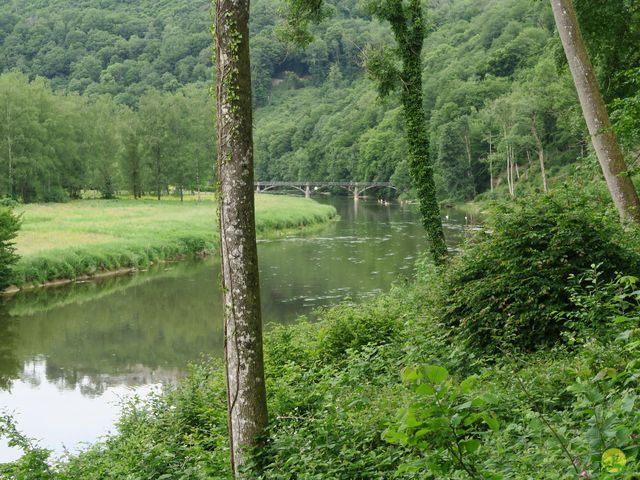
<point>59,266</point>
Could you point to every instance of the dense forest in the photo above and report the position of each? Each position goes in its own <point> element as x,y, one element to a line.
<point>117,93</point>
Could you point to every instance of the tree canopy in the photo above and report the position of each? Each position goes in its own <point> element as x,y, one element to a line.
<point>492,70</point>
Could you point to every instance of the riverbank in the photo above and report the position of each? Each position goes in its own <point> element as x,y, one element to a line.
<point>492,368</point>
<point>59,243</point>
<point>339,392</point>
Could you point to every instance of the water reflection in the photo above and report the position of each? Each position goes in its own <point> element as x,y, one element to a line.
<point>100,340</point>
<point>9,363</point>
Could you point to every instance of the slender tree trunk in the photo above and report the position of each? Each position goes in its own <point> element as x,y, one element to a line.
<point>10,150</point>
<point>509,171</point>
<point>467,144</point>
<point>510,168</point>
<point>198,178</point>
<point>246,391</point>
<point>9,143</point>
<point>157,168</point>
<point>595,112</point>
<point>540,149</point>
<point>491,161</point>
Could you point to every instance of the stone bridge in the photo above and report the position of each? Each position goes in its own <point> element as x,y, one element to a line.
<point>356,189</point>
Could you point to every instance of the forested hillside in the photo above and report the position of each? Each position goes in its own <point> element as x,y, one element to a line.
<point>123,104</point>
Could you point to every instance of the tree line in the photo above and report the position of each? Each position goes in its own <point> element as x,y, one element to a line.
<point>503,116</point>
<point>54,146</point>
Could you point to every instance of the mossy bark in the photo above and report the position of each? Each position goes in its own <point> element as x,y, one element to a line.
<point>239,258</point>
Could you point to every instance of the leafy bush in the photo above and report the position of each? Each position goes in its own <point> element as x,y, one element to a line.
<point>33,464</point>
<point>347,328</point>
<point>8,202</point>
<point>444,422</point>
<point>9,226</point>
<point>179,434</point>
<point>505,288</point>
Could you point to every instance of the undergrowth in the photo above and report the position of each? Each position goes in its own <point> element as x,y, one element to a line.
<point>384,390</point>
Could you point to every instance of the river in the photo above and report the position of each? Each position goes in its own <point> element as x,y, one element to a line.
<point>69,356</point>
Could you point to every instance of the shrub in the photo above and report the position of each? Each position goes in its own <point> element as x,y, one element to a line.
<point>9,226</point>
<point>505,289</point>
<point>8,202</point>
<point>346,327</point>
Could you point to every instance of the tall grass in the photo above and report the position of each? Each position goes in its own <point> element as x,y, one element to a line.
<point>67,241</point>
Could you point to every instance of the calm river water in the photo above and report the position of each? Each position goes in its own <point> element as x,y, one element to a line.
<point>69,356</point>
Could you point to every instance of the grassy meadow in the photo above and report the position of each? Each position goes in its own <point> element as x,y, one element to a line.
<point>69,240</point>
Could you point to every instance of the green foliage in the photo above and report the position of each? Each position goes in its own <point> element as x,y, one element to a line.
<point>560,410</point>
<point>116,48</point>
<point>445,422</point>
<point>407,21</point>
<point>54,147</point>
<point>9,226</point>
<point>505,288</point>
<point>316,117</point>
<point>178,434</point>
<point>626,111</point>
<point>33,463</point>
<point>346,328</point>
<point>612,33</point>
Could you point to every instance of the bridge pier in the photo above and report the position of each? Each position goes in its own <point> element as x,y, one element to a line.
<point>307,191</point>
<point>258,187</point>
<point>356,192</point>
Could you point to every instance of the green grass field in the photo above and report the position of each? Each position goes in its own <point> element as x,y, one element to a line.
<point>65,241</point>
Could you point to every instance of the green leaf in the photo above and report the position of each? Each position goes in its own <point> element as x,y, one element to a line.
<point>628,402</point>
<point>425,389</point>
<point>467,384</point>
<point>471,446</point>
<point>391,435</point>
<point>409,374</point>
<point>411,421</point>
<point>435,373</point>
<point>491,421</point>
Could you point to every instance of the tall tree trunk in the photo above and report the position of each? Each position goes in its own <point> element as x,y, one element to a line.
<point>595,113</point>
<point>246,393</point>
<point>540,149</point>
<point>409,33</point>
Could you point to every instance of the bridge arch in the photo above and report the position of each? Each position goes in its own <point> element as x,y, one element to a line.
<point>273,187</point>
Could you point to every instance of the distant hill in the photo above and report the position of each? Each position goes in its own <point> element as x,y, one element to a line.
<point>491,68</point>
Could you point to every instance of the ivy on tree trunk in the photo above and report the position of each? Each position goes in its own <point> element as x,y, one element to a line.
<point>408,26</point>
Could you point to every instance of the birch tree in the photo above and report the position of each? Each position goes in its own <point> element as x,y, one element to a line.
<point>246,393</point>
